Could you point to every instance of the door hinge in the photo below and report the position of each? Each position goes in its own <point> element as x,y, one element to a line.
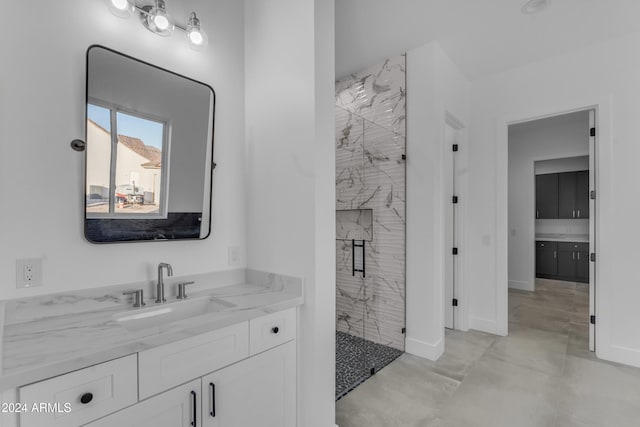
<point>454,251</point>
<point>592,257</point>
<point>404,330</point>
<point>592,194</point>
<point>592,320</point>
<point>454,199</point>
<point>455,302</point>
<point>213,165</point>
<point>404,157</point>
<point>373,371</point>
<point>592,132</point>
<point>455,147</point>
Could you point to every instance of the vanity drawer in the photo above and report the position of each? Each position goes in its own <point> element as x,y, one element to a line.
<point>573,246</point>
<point>271,330</point>
<point>105,388</point>
<point>167,366</point>
<point>543,244</point>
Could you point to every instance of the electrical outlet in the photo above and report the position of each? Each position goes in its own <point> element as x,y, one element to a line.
<point>28,272</point>
<point>234,255</point>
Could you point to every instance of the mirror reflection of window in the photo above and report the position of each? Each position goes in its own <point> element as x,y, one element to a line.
<point>127,167</point>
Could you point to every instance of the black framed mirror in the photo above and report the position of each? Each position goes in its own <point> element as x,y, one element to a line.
<point>149,151</point>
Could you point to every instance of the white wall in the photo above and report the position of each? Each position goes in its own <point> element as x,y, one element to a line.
<point>605,75</point>
<point>434,87</point>
<point>42,85</point>
<point>555,137</point>
<point>291,175</point>
<point>565,164</point>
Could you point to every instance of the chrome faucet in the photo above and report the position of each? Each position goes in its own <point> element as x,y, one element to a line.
<point>160,287</point>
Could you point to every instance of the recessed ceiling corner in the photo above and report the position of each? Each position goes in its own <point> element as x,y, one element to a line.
<point>534,6</point>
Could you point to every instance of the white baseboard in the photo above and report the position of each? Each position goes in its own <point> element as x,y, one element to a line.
<point>424,349</point>
<point>521,285</point>
<point>620,354</point>
<point>489,326</point>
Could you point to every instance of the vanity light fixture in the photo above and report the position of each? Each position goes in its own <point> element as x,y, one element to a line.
<point>156,19</point>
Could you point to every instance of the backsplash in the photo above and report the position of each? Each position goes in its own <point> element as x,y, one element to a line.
<point>562,226</point>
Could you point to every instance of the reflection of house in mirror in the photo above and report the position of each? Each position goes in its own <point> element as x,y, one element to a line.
<point>137,173</point>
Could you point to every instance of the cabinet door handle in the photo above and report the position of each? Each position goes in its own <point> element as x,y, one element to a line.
<point>555,254</point>
<point>537,214</point>
<point>194,417</point>
<point>574,214</point>
<point>573,255</point>
<point>578,213</point>
<point>578,256</point>
<point>212,386</point>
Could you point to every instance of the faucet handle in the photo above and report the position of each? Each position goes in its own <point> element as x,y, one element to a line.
<point>181,289</point>
<point>139,297</point>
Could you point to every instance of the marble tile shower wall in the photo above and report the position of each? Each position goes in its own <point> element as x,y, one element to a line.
<point>370,174</point>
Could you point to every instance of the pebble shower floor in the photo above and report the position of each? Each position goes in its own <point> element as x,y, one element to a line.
<point>354,359</point>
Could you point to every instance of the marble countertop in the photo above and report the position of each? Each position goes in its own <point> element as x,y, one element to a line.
<point>51,335</point>
<point>561,237</point>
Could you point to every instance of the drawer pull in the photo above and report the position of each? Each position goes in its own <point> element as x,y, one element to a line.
<point>213,400</point>
<point>275,330</point>
<point>86,398</point>
<point>194,419</point>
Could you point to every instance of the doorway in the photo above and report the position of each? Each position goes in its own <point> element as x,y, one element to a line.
<point>551,225</point>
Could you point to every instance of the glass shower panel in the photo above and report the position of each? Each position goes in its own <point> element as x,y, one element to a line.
<point>353,226</point>
<point>384,290</point>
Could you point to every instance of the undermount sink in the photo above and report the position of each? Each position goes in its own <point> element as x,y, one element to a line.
<point>163,314</point>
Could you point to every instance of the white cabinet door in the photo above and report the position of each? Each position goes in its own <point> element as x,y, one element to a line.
<point>257,392</point>
<point>174,408</point>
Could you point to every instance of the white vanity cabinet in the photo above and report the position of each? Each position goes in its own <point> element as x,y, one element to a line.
<point>242,375</point>
<point>259,391</point>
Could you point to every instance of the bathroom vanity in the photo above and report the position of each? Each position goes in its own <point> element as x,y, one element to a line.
<point>224,356</point>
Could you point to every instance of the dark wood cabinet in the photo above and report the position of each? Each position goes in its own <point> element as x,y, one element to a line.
<point>570,261</point>
<point>582,194</point>
<point>566,265</point>
<point>582,266</point>
<point>567,195</point>
<point>547,196</point>
<point>546,262</point>
<point>562,195</point>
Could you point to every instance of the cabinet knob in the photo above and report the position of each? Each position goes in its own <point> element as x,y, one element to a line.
<point>86,398</point>
<point>275,330</point>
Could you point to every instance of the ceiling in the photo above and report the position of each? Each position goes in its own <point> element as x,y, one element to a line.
<point>481,36</point>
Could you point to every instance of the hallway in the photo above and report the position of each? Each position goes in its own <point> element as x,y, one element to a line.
<point>541,375</point>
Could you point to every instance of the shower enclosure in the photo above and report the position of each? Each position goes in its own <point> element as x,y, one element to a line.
<point>370,222</point>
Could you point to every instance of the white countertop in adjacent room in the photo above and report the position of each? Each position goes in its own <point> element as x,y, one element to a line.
<point>561,237</point>
<point>51,335</point>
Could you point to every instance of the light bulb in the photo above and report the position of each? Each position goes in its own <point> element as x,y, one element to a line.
<point>196,37</point>
<point>161,22</point>
<point>120,4</point>
<point>121,8</point>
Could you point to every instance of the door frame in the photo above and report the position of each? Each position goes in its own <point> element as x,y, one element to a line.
<point>460,314</point>
<point>602,108</point>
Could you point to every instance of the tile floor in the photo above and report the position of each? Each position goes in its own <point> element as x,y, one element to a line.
<point>541,375</point>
